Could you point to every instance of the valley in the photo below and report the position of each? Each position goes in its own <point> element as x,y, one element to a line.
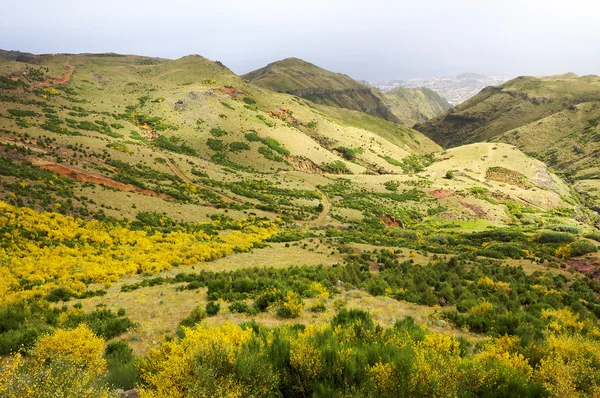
<point>292,232</point>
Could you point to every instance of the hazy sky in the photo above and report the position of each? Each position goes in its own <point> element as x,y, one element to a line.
<point>367,39</point>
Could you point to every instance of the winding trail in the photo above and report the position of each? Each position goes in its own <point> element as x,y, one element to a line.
<point>326,208</point>
<point>63,79</point>
<point>185,179</point>
<point>318,221</point>
<point>47,83</point>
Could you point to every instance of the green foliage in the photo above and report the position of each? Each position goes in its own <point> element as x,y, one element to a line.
<point>286,236</point>
<point>391,185</point>
<point>449,175</point>
<point>241,307</point>
<point>348,153</point>
<point>123,366</point>
<point>216,145</point>
<point>337,167</point>
<point>582,247</point>
<point>197,315</point>
<point>212,308</point>
<point>269,154</point>
<point>555,237</point>
<point>594,236</point>
<point>22,112</point>
<point>103,323</point>
<point>174,144</point>
<point>218,132</point>
<point>237,146</point>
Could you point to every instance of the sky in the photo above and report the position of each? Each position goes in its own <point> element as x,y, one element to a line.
<point>372,40</point>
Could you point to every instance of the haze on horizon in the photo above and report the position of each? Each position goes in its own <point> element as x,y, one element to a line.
<point>371,40</point>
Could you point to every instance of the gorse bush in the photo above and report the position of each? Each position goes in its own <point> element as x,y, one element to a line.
<point>356,357</point>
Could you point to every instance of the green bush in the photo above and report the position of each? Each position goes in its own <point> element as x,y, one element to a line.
<point>319,306</point>
<point>241,307</point>
<point>123,368</point>
<point>337,167</point>
<point>218,132</point>
<point>566,228</point>
<point>581,247</point>
<point>216,145</point>
<point>21,112</point>
<point>238,146</point>
<point>555,237</point>
<point>174,144</point>
<point>212,308</point>
<point>197,315</point>
<point>594,236</point>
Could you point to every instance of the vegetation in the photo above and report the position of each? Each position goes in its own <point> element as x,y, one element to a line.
<point>169,227</point>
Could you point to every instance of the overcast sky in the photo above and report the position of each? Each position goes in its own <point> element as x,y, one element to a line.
<point>367,39</point>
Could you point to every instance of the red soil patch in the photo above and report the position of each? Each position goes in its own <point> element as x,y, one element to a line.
<point>391,222</point>
<point>283,114</point>
<point>78,175</point>
<point>230,91</point>
<point>441,193</point>
<point>63,79</point>
<point>589,265</point>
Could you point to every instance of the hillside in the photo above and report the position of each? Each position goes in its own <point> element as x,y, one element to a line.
<point>169,227</point>
<point>549,117</point>
<point>416,105</point>
<point>303,79</point>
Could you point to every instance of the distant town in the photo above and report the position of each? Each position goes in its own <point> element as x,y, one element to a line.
<point>455,89</point>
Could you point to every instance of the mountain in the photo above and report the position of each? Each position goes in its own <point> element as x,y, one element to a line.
<point>416,105</point>
<point>455,89</point>
<point>172,228</point>
<point>303,79</point>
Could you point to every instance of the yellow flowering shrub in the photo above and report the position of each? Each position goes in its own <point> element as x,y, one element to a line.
<point>170,367</point>
<point>319,290</point>
<point>490,284</point>
<point>382,376</point>
<point>79,346</point>
<point>66,364</point>
<point>50,250</point>
<point>482,309</point>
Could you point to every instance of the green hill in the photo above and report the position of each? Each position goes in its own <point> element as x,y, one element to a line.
<point>303,79</point>
<point>553,118</point>
<point>417,105</point>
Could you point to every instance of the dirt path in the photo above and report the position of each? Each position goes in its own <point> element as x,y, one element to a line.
<point>179,174</point>
<point>326,208</point>
<point>78,175</point>
<point>63,79</point>
<point>47,83</point>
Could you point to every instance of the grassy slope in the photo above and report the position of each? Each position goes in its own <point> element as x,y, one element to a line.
<point>554,119</point>
<point>413,106</point>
